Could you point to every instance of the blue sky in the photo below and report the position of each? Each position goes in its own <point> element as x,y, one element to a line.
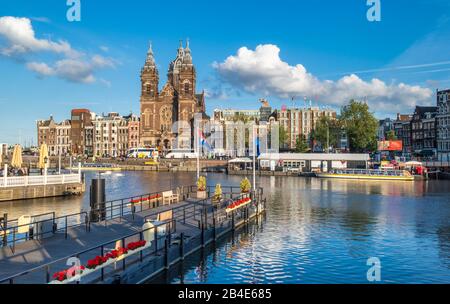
<point>325,50</point>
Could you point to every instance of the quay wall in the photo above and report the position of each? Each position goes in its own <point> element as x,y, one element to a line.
<point>40,191</point>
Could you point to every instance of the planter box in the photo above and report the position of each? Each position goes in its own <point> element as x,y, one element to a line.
<point>201,194</point>
<point>88,271</point>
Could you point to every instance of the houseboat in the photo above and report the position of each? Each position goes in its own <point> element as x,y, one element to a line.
<point>401,175</point>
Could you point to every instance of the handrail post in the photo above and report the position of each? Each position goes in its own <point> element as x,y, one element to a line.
<point>5,227</point>
<point>156,239</point>
<point>232,219</point>
<point>123,261</point>
<point>166,254</point>
<point>214,228</point>
<point>47,276</point>
<point>102,253</point>
<point>182,246</point>
<point>203,235</point>
<point>65,233</point>
<point>141,237</point>
<point>5,176</point>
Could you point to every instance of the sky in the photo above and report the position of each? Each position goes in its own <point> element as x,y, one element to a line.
<point>325,52</point>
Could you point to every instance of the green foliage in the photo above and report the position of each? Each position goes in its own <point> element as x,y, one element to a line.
<point>390,135</point>
<point>327,131</point>
<point>201,183</point>
<point>218,192</point>
<point>361,126</point>
<point>301,145</point>
<point>245,185</point>
<point>282,136</point>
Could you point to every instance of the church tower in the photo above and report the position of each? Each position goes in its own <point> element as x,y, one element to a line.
<point>166,114</point>
<point>149,95</point>
<point>187,103</point>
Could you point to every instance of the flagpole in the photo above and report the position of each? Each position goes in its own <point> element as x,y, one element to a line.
<point>254,158</point>
<point>198,151</point>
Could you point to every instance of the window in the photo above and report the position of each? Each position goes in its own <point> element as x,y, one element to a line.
<point>186,88</point>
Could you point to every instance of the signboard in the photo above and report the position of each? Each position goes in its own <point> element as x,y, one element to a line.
<point>390,145</point>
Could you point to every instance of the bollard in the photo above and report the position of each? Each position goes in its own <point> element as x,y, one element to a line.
<point>97,200</point>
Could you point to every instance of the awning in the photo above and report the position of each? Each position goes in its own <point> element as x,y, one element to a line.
<point>240,160</point>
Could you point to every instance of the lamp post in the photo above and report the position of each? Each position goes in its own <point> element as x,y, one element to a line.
<point>45,169</point>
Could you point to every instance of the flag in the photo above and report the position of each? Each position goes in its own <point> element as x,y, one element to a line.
<point>203,141</point>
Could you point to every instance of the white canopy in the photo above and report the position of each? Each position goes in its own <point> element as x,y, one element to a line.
<point>240,160</point>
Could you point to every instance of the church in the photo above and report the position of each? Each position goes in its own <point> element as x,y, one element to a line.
<point>176,102</point>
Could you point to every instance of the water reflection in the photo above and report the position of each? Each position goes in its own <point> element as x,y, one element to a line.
<point>315,231</point>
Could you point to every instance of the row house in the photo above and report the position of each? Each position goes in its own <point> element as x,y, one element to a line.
<point>384,127</point>
<point>55,135</point>
<point>423,131</point>
<point>111,135</point>
<point>89,134</point>
<point>402,129</point>
<point>133,130</point>
<point>443,125</point>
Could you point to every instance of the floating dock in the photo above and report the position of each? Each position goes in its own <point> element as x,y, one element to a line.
<point>176,230</point>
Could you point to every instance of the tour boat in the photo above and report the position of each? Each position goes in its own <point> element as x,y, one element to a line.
<point>401,175</point>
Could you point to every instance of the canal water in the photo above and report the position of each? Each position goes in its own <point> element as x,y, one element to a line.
<point>315,230</point>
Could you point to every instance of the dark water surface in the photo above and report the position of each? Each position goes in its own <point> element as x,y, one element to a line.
<point>315,230</point>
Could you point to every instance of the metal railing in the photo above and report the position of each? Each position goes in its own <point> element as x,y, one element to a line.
<point>114,209</point>
<point>39,229</point>
<point>213,221</point>
<point>47,270</point>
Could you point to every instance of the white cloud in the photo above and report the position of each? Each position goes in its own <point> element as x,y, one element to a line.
<point>21,39</point>
<point>74,70</point>
<point>262,71</point>
<point>70,65</point>
<point>40,68</point>
<point>103,62</point>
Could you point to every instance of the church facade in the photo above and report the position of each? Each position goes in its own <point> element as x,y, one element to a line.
<point>167,115</point>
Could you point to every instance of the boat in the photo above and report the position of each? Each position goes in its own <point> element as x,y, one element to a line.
<point>401,175</point>
<point>97,167</point>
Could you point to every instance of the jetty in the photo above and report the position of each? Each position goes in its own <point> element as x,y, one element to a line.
<point>40,186</point>
<point>134,239</point>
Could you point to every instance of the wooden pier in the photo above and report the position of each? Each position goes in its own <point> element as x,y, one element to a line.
<point>183,228</point>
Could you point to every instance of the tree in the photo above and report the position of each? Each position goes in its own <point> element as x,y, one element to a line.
<point>390,135</point>
<point>282,136</point>
<point>327,131</point>
<point>301,145</point>
<point>360,125</point>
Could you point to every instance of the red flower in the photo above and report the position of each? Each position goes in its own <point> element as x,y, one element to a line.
<point>136,245</point>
